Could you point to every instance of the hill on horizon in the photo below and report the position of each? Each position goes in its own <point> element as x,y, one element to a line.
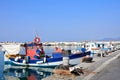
<point>111,39</point>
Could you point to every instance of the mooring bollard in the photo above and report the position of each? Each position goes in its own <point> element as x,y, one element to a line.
<point>65,57</point>
<point>65,61</point>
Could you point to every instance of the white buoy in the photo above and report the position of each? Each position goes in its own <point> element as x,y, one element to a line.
<point>24,61</point>
<point>16,59</point>
<point>19,57</point>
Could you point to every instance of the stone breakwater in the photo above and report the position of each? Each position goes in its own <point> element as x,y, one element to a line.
<point>89,69</point>
<point>67,43</point>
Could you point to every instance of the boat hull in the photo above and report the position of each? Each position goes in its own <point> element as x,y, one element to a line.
<point>46,64</point>
<point>50,62</point>
<point>73,59</point>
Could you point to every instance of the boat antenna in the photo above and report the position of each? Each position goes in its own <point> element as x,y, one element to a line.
<point>36,34</point>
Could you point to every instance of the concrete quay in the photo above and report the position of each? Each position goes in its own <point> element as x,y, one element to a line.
<point>91,69</point>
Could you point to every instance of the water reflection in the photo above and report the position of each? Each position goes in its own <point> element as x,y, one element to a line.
<point>1,65</point>
<point>31,73</point>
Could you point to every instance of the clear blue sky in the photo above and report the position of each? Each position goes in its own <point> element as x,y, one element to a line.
<point>59,20</point>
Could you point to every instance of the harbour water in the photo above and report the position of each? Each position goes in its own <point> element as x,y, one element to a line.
<point>32,73</point>
<point>1,66</point>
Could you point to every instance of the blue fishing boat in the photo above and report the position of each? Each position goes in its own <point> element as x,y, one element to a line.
<point>13,57</point>
<point>49,62</point>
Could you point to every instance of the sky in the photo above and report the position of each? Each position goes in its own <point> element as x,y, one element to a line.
<point>59,20</point>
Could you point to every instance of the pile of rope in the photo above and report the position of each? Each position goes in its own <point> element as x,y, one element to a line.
<point>64,70</point>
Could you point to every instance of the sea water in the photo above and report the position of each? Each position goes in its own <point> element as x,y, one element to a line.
<point>1,65</point>
<point>33,73</point>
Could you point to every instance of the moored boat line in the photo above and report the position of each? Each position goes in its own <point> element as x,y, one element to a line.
<point>116,46</point>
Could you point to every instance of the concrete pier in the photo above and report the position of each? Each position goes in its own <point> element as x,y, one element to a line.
<point>90,69</point>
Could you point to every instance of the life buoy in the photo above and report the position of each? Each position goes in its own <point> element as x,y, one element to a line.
<point>37,40</point>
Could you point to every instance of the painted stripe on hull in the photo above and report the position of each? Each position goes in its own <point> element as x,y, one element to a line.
<point>52,64</point>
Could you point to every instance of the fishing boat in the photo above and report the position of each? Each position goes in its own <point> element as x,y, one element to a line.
<point>12,56</point>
